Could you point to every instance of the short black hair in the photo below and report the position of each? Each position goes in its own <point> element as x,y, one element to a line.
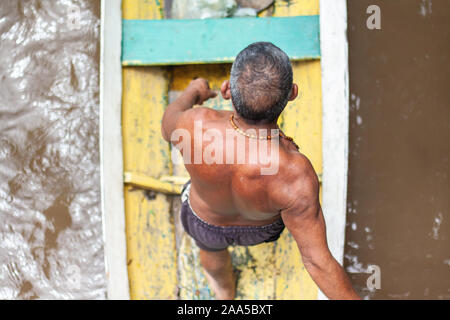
<point>261,81</point>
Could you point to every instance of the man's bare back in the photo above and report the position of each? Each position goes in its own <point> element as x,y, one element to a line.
<point>237,194</point>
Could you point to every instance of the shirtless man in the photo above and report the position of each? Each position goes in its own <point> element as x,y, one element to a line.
<point>234,203</point>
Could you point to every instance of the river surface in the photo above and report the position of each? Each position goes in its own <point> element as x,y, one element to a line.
<point>399,163</point>
<point>51,243</point>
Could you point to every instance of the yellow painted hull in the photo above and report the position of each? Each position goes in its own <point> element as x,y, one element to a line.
<point>159,266</point>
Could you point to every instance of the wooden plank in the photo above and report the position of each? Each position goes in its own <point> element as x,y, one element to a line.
<point>302,118</point>
<point>143,9</point>
<point>335,122</point>
<point>151,246</point>
<point>153,42</point>
<point>150,231</point>
<point>152,264</point>
<point>111,159</point>
<point>288,8</point>
<point>152,184</point>
<point>192,281</point>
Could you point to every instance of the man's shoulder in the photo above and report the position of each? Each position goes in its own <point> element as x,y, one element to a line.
<point>297,181</point>
<point>198,114</point>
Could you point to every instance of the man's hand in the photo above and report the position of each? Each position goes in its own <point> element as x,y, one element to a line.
<point>200,89</point>
<point>197,92</point>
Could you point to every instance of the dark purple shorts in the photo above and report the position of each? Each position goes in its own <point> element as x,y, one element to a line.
<point>215,238</point>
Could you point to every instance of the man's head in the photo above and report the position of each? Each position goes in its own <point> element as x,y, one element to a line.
<point>261,82</point>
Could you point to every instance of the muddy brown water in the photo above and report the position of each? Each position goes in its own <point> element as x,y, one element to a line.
<point>399,180</point>
<point>51,243</point>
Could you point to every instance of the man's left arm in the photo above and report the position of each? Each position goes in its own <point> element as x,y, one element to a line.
<point>197,92</point>
<point>304,219</point>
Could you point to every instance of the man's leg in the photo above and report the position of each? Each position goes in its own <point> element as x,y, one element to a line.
<point>219,273</point>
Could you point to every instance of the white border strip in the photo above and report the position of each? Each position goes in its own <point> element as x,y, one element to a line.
<point>334,62</point>
<point>111,157</point>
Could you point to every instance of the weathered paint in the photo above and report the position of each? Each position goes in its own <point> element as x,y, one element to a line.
<point>302,117</point>
<point>267,271</point>
<point>156,42</point>
<point>111,161</point>
<point>152,266</point>
<point>333,22</point>
<point>150,183</point>
<point>286,8</point>
<point>143,9</point>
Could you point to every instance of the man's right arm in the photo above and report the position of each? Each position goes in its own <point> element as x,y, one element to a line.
<point>304,219</point>
<point>197,92</point>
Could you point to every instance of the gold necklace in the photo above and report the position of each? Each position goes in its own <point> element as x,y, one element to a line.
<point>252,136</point>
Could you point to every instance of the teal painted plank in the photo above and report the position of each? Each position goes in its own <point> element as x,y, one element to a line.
<point>166,42</point>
